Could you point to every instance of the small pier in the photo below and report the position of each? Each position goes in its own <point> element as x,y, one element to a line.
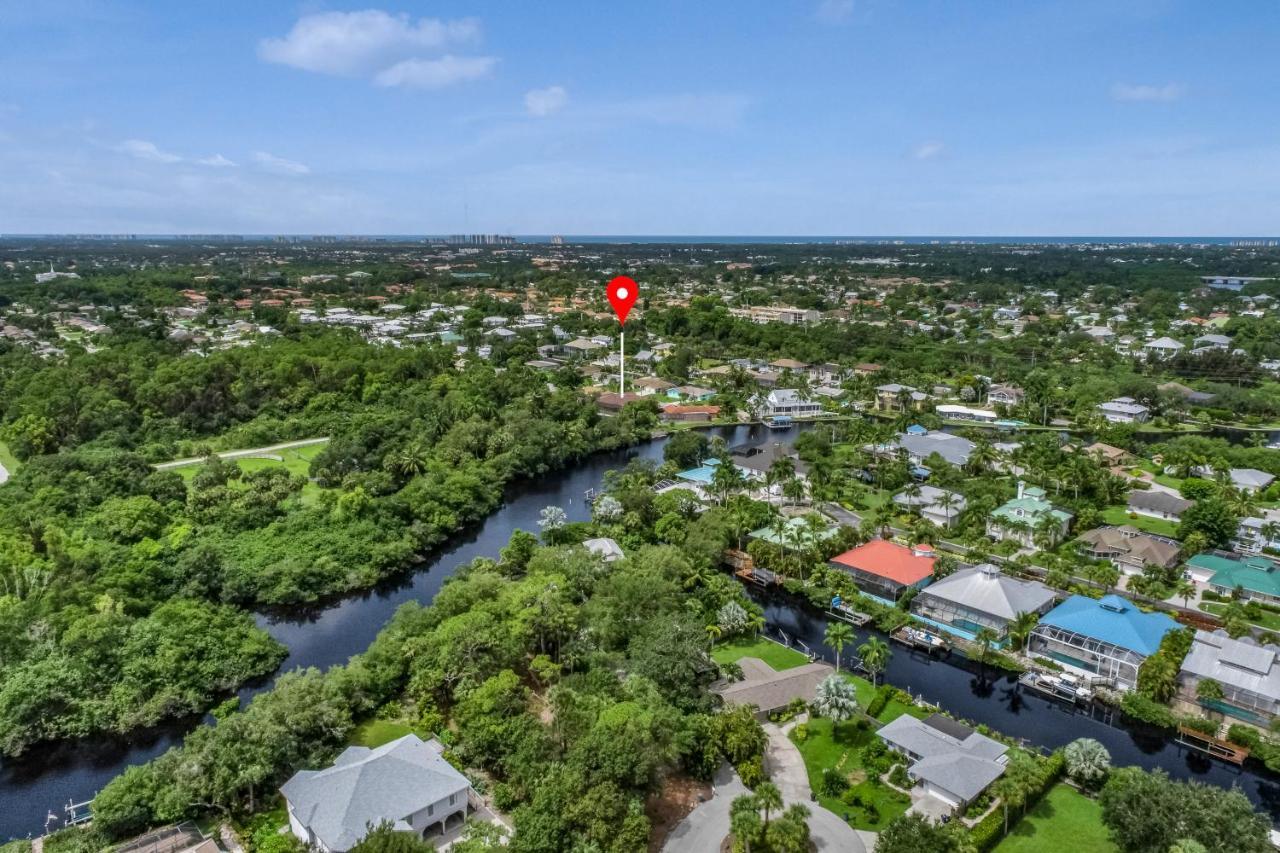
<point>1210,745</point>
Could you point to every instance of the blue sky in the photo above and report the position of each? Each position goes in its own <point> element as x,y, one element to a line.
<point>814,117</point>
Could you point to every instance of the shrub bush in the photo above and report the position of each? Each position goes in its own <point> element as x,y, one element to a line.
<point>1147,710</point>
<point>751,772</point>
<point>834,783</point>
<point>878,702</point>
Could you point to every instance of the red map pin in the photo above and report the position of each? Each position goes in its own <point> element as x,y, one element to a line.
<point>622,293</point>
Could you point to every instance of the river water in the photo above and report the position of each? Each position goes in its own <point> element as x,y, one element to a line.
<point>52,775</point>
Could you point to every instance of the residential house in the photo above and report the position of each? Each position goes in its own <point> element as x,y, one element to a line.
<point>899,398</point>
<point>605,548</point>
<point>1221,342</point>
<point>691,392</point>
<point>1256,534</point>
<point>787,402</point>
<point>965,413</point>
<point>1107,454</point>
<point>1248,673</point>
<point>1124,410</point>
<point>950,762</point>
<point>1007,395</point>
<point>886,569</point>
<point>689,413</point>
<point>1255,577</point>
<point>582,347</point>
<point>921,444</point>
<point>791,364</point>
<point>1100,334</point>
<point>767,690</point>
<point>1189,395</point>
<point>647,386</point>
<point>1131,550</point>
<point>980,596</point>
<point>612,401</point>
<point>1163,348</point>
<point>1105,638</point>
<point>755,460</point>
<point>406,783</point>
<point>795,534</point>
<point>934,505</point>
<point>1026,517</point>
<point>1250,479</point>
<point>1155,503</point>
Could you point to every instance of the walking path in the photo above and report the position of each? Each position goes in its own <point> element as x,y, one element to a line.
<point>239,454</point>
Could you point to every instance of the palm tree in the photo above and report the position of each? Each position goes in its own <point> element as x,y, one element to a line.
<point>744,819</point>
<point>875,655</point>
<point>1184,589</point>
<point>1021,627</point>
<point>836,699</point>
<point>713,633</point>
<point>1087,761</point>
<point>837,636</point>
<point>769,798</point>
<point>409,461</point>
<point>985,638</point>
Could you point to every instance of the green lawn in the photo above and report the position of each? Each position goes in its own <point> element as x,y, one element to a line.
<point>776,655</point>
<point>296,460</point>
<point>1158,526</point>
<point>373,733</point>
<point>1269,620</point>
<point>841,747</point>
<point>1064,820</point>
<point>7,459</point>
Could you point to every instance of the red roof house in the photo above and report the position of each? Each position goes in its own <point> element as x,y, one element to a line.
<point>885,569</point>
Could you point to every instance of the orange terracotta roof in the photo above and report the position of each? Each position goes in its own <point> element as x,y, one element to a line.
<point>888,560</point>
<point>690,410</point>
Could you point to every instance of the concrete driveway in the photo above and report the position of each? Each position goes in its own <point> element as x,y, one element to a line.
<point>708,824</point>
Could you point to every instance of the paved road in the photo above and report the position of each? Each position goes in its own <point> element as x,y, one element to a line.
<point>707,825</point>
<point>239,454</point>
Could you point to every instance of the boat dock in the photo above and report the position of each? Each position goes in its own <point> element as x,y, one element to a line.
<point>847,614</point>
<point>1202,742</point>
<point>1057,687</point>
<point>919,638</point>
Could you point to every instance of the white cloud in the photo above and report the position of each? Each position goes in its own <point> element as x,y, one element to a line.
<point>144,150</point>
<point>216,160</point>
<point>436,73</point>
<point>928,150</point>
<point>544,102</point>
<point>1141,92</point>
<point>359,43</point>
<point>835,11</point>
<point>279,165</point>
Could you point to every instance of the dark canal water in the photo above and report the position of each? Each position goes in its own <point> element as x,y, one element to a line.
<point>50,776</point>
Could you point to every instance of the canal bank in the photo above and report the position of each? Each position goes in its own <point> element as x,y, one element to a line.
<point>993,698</point>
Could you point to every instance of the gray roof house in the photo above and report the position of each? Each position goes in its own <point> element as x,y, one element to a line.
<point>1158,504</point>
<point>981,596</point>
<point>605,548</point>
<point>934,505</point>
<point>951,762</point>
<point>953,448</point>
<point>1248,673</point>
<point>1251,479</point>
<point>406,783</point>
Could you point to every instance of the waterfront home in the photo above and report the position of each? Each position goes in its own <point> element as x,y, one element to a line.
<point>787,402</point>
<point>612,402</point>
<point>1155,503</point>
<point>1105,639</point>
<point>1248,673</point>
<point>795,534</point>
<point>950,762</point>
<point>767,690</point>
<point>935,505</point>
<point>886,569</point>
<point>965,413</point>
<point>981,596</point>
<point>406,783</point>
<point>695,414</point>
<point>755,460</point>
<point>1124,410</point>
<point>898,398</point>
<point>1256,578</point>
<point>1023,518</point>
<point>1130,549</point>
<point>1255,534</point>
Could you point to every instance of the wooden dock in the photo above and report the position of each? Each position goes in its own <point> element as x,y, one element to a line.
<point>1225,750</point>
<point>848,614</point>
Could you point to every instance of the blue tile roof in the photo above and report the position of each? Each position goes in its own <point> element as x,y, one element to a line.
<point>1113,620</point>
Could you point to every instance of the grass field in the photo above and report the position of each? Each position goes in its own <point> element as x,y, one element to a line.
<point>840,747</point>
<point>777,656</point>
<point>1064,820</point>
<point>295,460</point>
<point>1158,526</point>
<point>373,733</point>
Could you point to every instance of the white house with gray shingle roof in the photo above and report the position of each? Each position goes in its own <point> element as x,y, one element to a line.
<point>950,761</point>
<point>406,783</point>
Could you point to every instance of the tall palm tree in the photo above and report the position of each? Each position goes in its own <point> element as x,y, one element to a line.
<point>770,799</point>
<point>1021,627</point>
<point>837,636</point>
<point>985,638</point>
<point>744,819</point>
<point>875,655</point>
